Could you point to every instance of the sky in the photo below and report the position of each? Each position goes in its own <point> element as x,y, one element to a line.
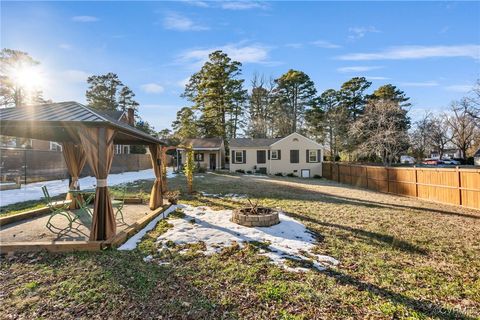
<point>430,50</point>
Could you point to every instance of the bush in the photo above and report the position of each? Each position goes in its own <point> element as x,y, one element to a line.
<point>240,171</point>
<point>317,176</point>
<point>201,169</point>
<point>279,174</point>
<point>249,172</point>
<point>291,175</point>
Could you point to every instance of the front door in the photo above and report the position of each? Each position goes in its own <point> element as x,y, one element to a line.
<point>213,161</point>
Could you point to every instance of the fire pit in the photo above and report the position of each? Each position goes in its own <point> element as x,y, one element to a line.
<point>255,216</point>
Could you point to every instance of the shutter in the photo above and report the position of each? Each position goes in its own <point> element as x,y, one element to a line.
<point>307,157</point>
<point>261,155</point>
<point>268,154</point>
<point>319,155</point>
<point>244,156</point>
<point>233,157</point>
<point>294,156</point>
<point>279,155</point>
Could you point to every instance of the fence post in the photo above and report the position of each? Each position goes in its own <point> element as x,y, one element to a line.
<point>338,172</point>
<point>388,180</point>
<point>366,174</point>
<point>459,175</point>
<point>416,181</point>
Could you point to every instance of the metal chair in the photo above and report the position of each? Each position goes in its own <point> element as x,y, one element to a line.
<point>56,210</point>
<point>118,205</point>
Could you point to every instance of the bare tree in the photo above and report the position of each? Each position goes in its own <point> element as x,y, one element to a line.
<point>463,125</point>
<point>420,139</point>
<point>439,134</point>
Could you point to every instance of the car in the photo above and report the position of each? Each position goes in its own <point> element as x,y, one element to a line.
<point>432,162</point>
<point>451,161</point>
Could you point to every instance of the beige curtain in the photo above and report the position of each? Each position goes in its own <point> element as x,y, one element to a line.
<point>74,156</point>
<point>156,199</point>
<point>98,145</point>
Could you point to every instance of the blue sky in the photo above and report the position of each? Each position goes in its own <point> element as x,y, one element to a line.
<point>431,50</point>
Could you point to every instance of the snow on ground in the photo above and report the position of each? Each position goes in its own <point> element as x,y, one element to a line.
<point>288,239</point>
<point>33,191</point>
<point>135,239</point>
<point>231,196</point>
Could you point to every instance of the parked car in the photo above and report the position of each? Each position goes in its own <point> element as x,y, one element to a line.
<point>432,162</point>
<point>407,159</point>
<point>451,161</point>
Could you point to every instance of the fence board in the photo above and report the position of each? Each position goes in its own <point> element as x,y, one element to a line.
<point>455,186</point>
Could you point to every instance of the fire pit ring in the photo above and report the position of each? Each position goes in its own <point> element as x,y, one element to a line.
<point>255,217</point>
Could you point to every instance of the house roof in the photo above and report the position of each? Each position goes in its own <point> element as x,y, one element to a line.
<point>204,143</point>
<point>52,122</point>
<point>115,114</point>
<point>477,154</point>
<point>252,142</point>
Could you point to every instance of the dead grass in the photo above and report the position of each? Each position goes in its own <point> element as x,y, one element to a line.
<point>400,258</point>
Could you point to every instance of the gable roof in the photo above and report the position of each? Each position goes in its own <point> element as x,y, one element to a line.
<point>49,122</point>
<point>252,142</point>
<point>204,143</point>
<point>115,114</point>
<point>299,135</point>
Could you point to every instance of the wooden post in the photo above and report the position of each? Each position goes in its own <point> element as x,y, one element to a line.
<point>338,172</point>
<point>388,180</point>
<point>459,175</point>
<point>366,174</point>
<point>416,181</point>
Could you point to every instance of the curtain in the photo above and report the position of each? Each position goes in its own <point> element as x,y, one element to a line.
<point>98,145</point>
<point>74,156</point>
<point>156,199</point>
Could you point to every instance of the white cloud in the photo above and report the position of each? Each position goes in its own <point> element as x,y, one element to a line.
<point>419,84</point>
<point>152,88</point>
<point>85,19</point>
<point>325,44</point>
<point>244,53</point>
<point>75,75</point>
<point>243,5</point>
<point>294,45</point>
<point>182,83</point>
<point>360,32</point>
<point>358,69</point>
<point>65,46</point>
<point>377,78</point>
<point>201,4</point>
<point>417,52</point>
<point>463,88</point>
<point>175,21</point>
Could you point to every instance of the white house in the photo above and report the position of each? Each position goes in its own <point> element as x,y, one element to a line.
<point>209,153</point>
<point>293,154</point>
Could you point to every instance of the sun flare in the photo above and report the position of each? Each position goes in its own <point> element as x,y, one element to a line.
<point>27,77</point>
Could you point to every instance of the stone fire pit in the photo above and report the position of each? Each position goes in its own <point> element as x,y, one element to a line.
<point>255,217</point>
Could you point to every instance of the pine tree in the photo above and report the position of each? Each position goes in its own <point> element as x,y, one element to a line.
<point>103,91</point>
<point>185,125</point>
<point>352,96</point>
<point>126,101</point>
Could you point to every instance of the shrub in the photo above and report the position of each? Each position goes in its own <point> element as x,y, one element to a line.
<point>317,176</point>
<point>291,175</point>
<point>279,174</point>
<point>240,171</point>
<point>201,169</point>
<point>249,172</point>
<point>172,196</point>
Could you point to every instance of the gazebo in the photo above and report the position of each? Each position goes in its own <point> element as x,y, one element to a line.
<point>86,135</point>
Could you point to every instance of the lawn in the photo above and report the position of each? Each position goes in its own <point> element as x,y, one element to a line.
<point>399,258</point>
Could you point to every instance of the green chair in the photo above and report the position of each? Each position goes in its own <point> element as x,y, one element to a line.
<point>118,205</point>
<point>56,210</point>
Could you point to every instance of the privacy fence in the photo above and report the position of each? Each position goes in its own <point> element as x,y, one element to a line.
<point>20,165</point>
<point>456,186</point>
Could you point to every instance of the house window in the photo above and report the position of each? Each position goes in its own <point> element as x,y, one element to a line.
<point>261,156</point>
<point>312,156</point>
<point>199,156</point>
<point>274,155</point>
<point>238,156</point>
<point>294,156</point>
<point>55,146</point>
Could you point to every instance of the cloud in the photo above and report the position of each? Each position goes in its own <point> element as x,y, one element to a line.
<point>358,69</point>
<point>360,32</point>
<point>175,21</point>
<point>152,88</point>
<point>182,83</point>
<point>243,5</point>
<point>377,78</point>
<point>65,46</point>
<point>294,45</point>
<point>325,44</point>
<point>75,75</point>
<point>201,4</point>
<point>417,52</point>
<point>419,84</point>
<point>244,53</point>
<point>85,19</point>
<point>463,88</point>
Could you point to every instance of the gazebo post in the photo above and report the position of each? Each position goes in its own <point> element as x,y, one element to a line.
<point>156,196</point>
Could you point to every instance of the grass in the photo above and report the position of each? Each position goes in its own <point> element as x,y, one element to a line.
<point>400,258</point>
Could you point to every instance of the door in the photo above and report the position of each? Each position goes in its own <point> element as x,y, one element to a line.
<point>305,173</point>
<point>213,161</point>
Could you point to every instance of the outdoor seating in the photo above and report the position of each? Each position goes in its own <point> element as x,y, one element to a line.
<point>83,199</point>
<point>56,210</point>
<point>118,205</point>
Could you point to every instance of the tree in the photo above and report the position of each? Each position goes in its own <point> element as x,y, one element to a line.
<point>260,111</point>
<point>218,95</point>
<point>381,131</point>
<point>462,125</point>
<point>391,93</point>
<point>126,101</point>
<point>420,138</point>
<point>147,128</point>
<point>439,134</point>
<point>103,91</point>
<point>295,92</point>
<point>189,167</point>
<point>185,125</point>
<point>352,96</point>
<point>474,100</point>
<point>17,85</point>
<point>165,134</point>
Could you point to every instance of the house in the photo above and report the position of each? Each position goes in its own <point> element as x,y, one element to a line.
<point>209,153</point>
<point>293,154</point>
<point>447,154</point>
<point>476,158</point>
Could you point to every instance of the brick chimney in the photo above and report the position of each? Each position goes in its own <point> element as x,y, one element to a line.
<point>131,117</point>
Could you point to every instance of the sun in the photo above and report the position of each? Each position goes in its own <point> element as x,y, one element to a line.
<point>28,78</point>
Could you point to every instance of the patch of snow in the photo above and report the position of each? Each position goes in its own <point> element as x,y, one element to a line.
<point>231,196</point>
<point>288,239</point>
<point>260,176</point>
<point>135,239</point>
<point>33,191</point>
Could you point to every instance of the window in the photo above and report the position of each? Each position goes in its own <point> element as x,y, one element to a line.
<point>294,156</point>
<point>261,156</point>
<point>238,156</point>
<point>55,146</point>
<point>312,156</point>
<point>199,156</point>
<point>274,155</point>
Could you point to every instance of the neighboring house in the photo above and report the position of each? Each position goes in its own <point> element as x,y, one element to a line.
<point>294,154</point>
<point>447,154</point>
<point>476,158</point>
<point>209,153</point>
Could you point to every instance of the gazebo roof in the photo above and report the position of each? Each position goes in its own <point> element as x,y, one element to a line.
<point>55,121</point>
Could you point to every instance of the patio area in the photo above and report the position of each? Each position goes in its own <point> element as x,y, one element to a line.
<point>35,229</point>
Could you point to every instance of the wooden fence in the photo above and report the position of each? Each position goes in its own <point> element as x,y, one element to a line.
<point>446,185</point>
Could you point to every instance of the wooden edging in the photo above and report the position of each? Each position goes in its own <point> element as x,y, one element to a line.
<point>71,246</point>
<point>27,214</point>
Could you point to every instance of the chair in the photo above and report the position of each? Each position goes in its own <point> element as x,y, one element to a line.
<point>118,205</point>
<point>55,210</point>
